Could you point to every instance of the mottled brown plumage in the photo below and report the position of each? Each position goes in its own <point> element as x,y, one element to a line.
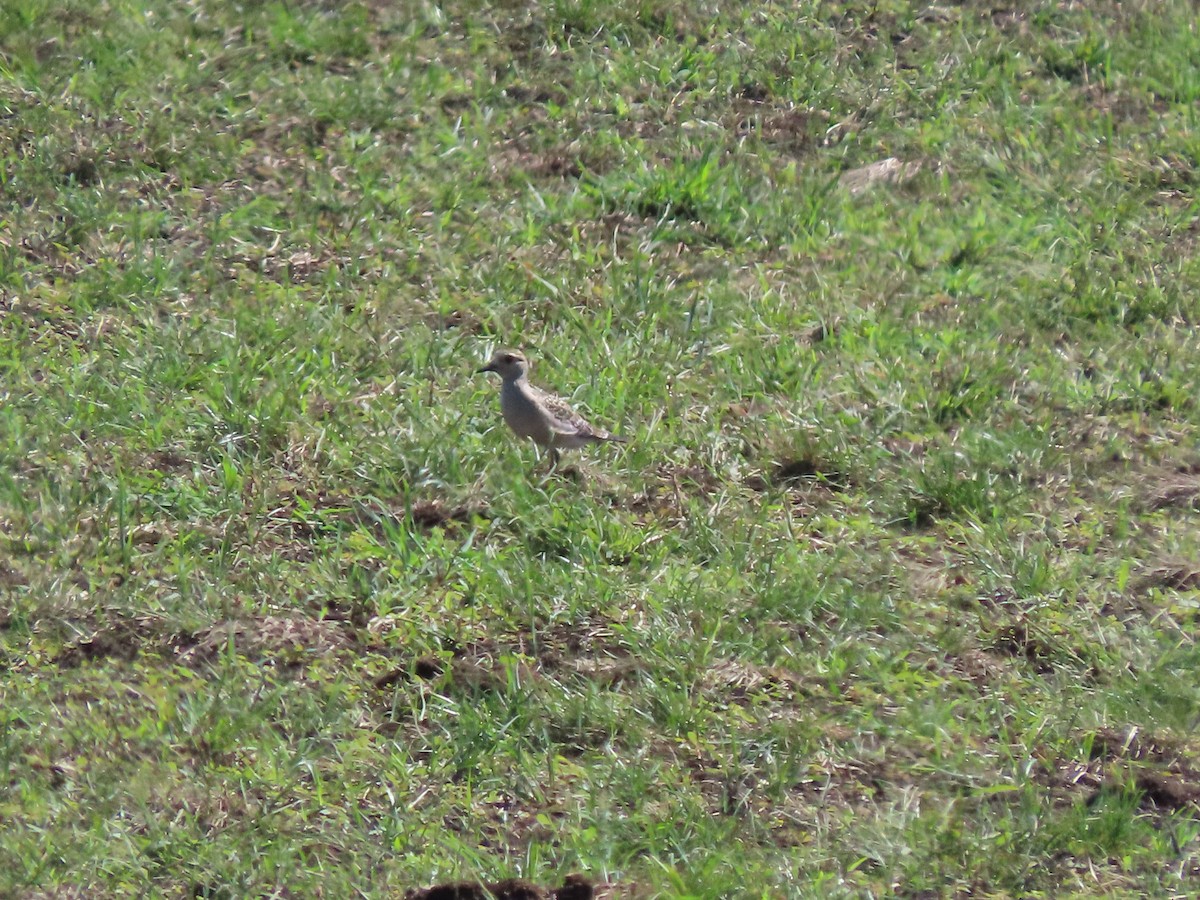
<point>547,420</point>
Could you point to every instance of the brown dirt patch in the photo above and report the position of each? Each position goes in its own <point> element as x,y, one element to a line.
<point>933,571</point>
<point>286,641</point>
<point>556,165</point>
<point>802,468</point>
<point>122,639</point>
<point>743,682</point>
<point>293,266</point>
<point>537,94</point>
<point>1179,489</point>
<point>1165,770</point>
<point>728,789</point>
<point>10,578</point>
<point>480,667</point>
<point>477,671</point>
<point>455,319</point>
<point>1112,743</point>
<point>1175,573</point>
<point>436,514</point>
<point>567,644</point>
<point>818,334</point>
<point>849,784</point>
<point>307,514</point>
<point>509,889</point>
<point>1110,475</point>
<point>565,163</point>
<point>574,887</point>
<point>731,786</point>
<point>81,170</point>
<point>809,469</point>
<point>166,461</point>
<point>886,171</point>
<point>1125,106</point>
<point>1170,790</point>
<point>1018,640</point>
<point>586,650</point>
<point>796,132</point>
<point>666,496</point>
<point>981,668</point>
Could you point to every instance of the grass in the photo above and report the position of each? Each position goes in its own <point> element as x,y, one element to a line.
<point>893,593</point>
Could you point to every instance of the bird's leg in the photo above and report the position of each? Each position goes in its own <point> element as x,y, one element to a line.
<point>541,455</point>
<point>571,472</point>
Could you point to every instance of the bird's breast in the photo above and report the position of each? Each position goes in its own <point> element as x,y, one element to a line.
<point>523,415</point>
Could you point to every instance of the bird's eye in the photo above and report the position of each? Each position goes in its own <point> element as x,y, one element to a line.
<point>508,358</point>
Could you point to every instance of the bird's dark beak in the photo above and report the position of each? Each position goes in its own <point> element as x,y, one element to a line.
<point>490,367</point>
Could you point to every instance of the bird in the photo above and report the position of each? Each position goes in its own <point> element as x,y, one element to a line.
<point>531,413</point>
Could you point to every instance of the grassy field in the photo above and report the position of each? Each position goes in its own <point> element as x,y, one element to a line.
<point>894,591</point>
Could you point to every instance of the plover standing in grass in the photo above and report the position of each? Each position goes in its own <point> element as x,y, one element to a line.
<point>545,419</point>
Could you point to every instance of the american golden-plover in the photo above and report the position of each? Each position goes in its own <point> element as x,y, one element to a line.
<point>545,419</point>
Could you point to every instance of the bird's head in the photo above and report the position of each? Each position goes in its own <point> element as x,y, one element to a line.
<point>508,364</point>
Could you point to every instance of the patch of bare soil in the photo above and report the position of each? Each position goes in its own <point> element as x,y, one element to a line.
<point>509,889</point>
<point>1110,744</point>
<point>63,892</point>
<point>49,320</point>
<point>1164,770</point>
<point>742,682</point>
<point>478,669</point>
<point>1011,21</point>
<point>121,639</point>
<point>307,514</point>
<point>810,470</point>
<point>1017,640</point>
<point>849,784</point>
<point>455,319</point>
<point>555,165</point>
<point>885,171</point>
<point>1170,790</point>
<point>732,787</point>
<point>933,571</point>
<point>167,461</point>
<point>981,668</point>
<point>1181,239</point>
<point>568,162</point>
<point>1178,489</point>
<point>1174,573</point>
<point>1126,106</point>
<point>799,469</point>
<point>293,266</point>
<point>819,333</point>
<point>534,94</point>
<point>728,789</point>
<point>436,514</point>
<point>665,496</point>
<point>10,578</point>
<point>586,650</point>
<point>574,887</point>
<point>1150,486</point>
<point>794,131</point>
<point>285,641</point>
